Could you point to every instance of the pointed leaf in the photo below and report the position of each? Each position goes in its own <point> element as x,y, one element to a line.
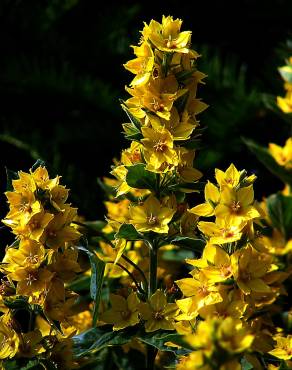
<point>160,340</point>
<point>128,232</point>
<point>268,161</point>
<point>97,271</point>
<point>196,245</point>
<point>280,211</point>
<point>138,177</point>
<point>10,175</point>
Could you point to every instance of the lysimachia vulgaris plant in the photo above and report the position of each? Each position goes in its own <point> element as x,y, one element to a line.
<point>176,280</point>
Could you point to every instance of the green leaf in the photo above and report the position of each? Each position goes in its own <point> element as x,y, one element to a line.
<point>177,255</point>
<point>184,75</point>
<point>194,186</point>
<point>17,303</point>
<point>108,338</point>
<point>136,122</point>
<point>80,284</point>
<point>37,164</point>
<point>268,161</point>
<point>132,132</point>
<point>158,339</point>
<point>280,211</point>
<point>139,178</point>
<point>10,175</point>
<point>97,271</point>
<point>245,365</point>
<point>286,73</point>
<point>196,245</point>
<point>109,190</point>
<point>96,225</point>
<point>127,231</point>
<point>82,342</point>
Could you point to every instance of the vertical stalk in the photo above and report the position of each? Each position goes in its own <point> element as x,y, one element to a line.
<point>152,270</point>
<point>151,351</point>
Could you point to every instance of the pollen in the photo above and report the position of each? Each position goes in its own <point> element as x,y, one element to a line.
<point>152,220</point>
<point>31,278</point>
<point>160,146</point>
<point>235,206</point>
<point>157,315</point>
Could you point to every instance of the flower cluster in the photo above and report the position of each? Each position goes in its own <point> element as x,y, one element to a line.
<point>285,103</point>
<point>36,269</point>
<point>155,172</point>
<point>237,277</point>
<point>229,313</point>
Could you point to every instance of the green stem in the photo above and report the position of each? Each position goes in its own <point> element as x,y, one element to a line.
<point>139,289</point>
<point>150,359</point>
<point>151,351</point>
<point>138,269</point>
<point>152,270</point>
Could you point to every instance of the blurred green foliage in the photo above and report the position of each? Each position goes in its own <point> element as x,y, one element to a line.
<point>61,76</point>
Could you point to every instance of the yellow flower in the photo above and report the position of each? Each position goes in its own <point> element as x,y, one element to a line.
<point>109,254</point>
<point>180,127</point>
<point>228,178</point>
<point>58,197</point>
<point>58,231</point>
<point>222,231</point>
<point>285,104</point>
<point>79,323</point>
<point>24,184</point>
<point>124,312</point>
<point>62,354</point>
<point>219,264</point>
<point>157,96</point>
<point>34,228</point>
<point>212,197</point>
<point>42,179</point>
<point>237,204</point>
<point>233,336</point>
<point>30,345</point>
<point>199,293</point>
<point>141,66</point>
<point>185,167</point>
<point>157,313</point>
<point>9,341</point>
<point>249,268</point>
<point>203,337</point>
<point>22,205</point>
<point>65,264</point>
<point>282,155</point>
<point>30,254</point>
<point>118,213</point>
<point>31,281</point>
<point>193,361</point>
<point>167,36</point>
<point>158,149</point>
<point>151,216</point>
<point>283,348</point>
<point>231,305</point>
<point>120,173</point>
<point>132,155</point>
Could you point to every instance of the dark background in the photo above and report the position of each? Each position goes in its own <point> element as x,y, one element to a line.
<point>61,76</point>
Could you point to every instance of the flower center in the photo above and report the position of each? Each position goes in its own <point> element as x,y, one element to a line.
<point>32,259</point>
<point>160,146</point>
<point>157,107</point>
<point>125,314</point>
<point>152,220</point>
<point>31,278</point>
<point>170,44</point>
<point>227,233</point>
<point>235,206</point>
<point>157,315</point>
